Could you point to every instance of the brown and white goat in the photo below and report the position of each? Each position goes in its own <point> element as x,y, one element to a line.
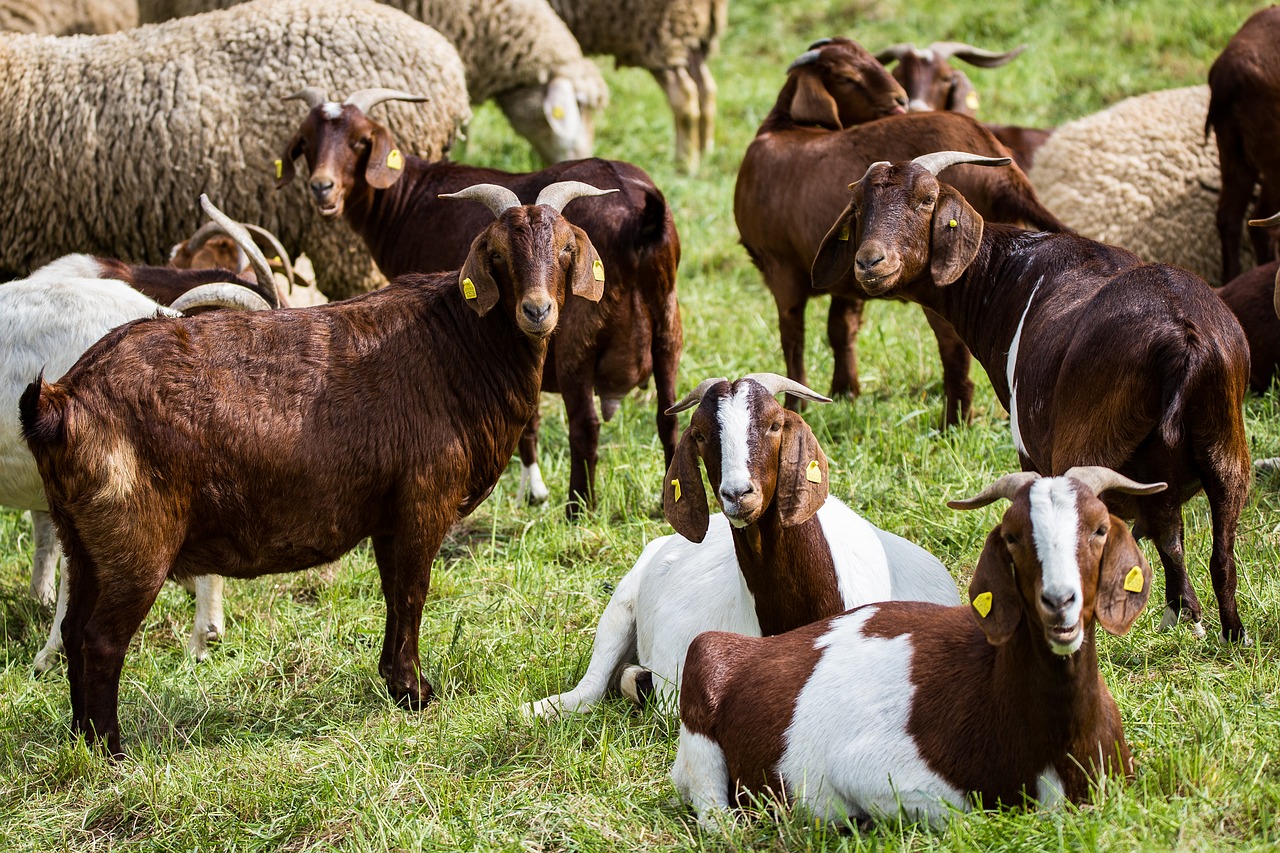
<point>1244,113</point>
<point>607,347</point>
<point>1254,297</point>
<point>932,83</point>
<point>1099,357</point>
<point>785,199</point>
<point>908,707</point>
<point>248,444</point>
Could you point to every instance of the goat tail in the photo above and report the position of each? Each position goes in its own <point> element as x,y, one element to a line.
<point>42,411</point>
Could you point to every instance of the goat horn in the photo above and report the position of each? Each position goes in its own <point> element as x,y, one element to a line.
<point>224,295</point>
<point>259,232</point>
<point>807,58</point>
<point>896,51</point>
<point>497,199</point>
<point>939,160</point>
<point>560,193</point>
<point>1266,223</point>
<point>237,232</point>
<point>1100,479</point>
<point>1006,487</point>
<point>366,99</point>
<point>204,234</point>
<point>313,95</point>
<point>974,55</point>
<point>868,172</point>
<point>695,396</point>
<point>775,384</point>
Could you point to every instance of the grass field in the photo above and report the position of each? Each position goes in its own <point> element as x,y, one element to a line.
<point>285,738</point>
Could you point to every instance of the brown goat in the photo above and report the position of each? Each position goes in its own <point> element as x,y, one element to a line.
<point>1136,366</point>
<point>933,84</point>
<point>1244,113</point>
<point>606,348</point>
<point>1254,297</point>
<point>785,198</point>
<point>249,444</point>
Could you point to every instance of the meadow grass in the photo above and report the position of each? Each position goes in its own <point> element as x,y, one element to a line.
<point>285,739</point>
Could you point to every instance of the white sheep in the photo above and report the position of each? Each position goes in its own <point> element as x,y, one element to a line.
<point>110,136</point>
<point>67,17</point>
<point>1114,176</point>
<point>518,52</point>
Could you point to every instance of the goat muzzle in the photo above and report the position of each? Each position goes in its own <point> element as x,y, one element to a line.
<point>328,200</point>
<point>537,317</point>
<point>742,503</point>
<point>876,268</point>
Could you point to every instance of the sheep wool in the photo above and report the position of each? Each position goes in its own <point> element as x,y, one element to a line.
<point>67,17</point>
<point>652,34</point>
<point>110,139</point>
<point>1140,175</point>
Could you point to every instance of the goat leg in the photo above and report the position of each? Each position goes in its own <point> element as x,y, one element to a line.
<point>668,340</point>
<point>1165,526</point>
<point>532,488</point>
<point>408,577</point>
<point>843,322</point>
<point>957,387</point>
<point>576,386</point>
<point>791,303</point>
<point>1238,179</point>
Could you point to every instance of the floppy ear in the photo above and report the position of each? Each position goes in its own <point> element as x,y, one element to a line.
<point>962,98</point>
<point>957,233</point>
<point>812,103</point>
<point>802,473</point>
<point>587,270</point>
<point>386,163</point>
<point>284,166</point>
<point>476,278</point>
<point>993,593</point>
<point>835,255</point>
<point>1124,580</point>
<point>684,500</point>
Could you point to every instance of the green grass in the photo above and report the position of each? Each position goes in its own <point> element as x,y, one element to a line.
<point>285,739</point>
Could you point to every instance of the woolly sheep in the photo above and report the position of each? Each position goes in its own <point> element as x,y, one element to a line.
<point>118,132</point>
<point>1114,176</point>
<point>518,52</point>
<point>67,17</point>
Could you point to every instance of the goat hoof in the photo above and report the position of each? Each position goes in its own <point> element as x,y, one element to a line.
<point>1231,638</point>
<point>1172,617</point>
<point>532,489</point>
<point>45,661</point>
<point>637,684</point>
<point>412,698</point>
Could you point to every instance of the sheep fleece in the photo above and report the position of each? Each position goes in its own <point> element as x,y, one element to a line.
<point>652,34</point>
<point>67,17</point>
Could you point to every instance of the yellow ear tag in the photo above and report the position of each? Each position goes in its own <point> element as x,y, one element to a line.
<point>971,100</point>
<point>814,472</point>
<point>395,160</point>
<point>675,487</point>
<point>557,112</point>
<point>468,289</point>
<point>982,604</point>
<point>279,169</point>
<point>844,233</point>
<point>597,270</point>
<point>1133,581</point>
<point>952,224</point>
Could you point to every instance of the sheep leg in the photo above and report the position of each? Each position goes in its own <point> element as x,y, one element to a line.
<point>707,92</point>
<point>405,568</point>
<point>208,624</point>
<point>1164,523</point>
<point>1238,179</point>
<point>532,488</point>
<point>46,558</point>
<point>682,96</point>
<point>48,656</point>
<point>957,387</point>
<point>843,322</point>
<point>577,382</point>
<point>790,296</point>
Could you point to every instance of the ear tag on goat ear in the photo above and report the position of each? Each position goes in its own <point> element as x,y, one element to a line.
<point>971,100</point>
<point>557,112</point>
<point>395,160</point>
<point>1133,581</point>
<point>279,169</point>
<point>814,472</point>
<point>468,289</point>
<point>675,488</point>
<point>844,233</point>
<point>952,224</point>
<point>597,270</point>
<point>982,604</point>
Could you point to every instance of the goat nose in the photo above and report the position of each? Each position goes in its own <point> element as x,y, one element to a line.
<point>869,260</point>
<point>536,313</point>
<point>901,99</point>
<point>321,186</point>
<point>1057,602</point>
<point>734,494</point>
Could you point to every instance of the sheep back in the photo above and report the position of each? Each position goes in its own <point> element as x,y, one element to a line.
<point>67,17</point>
<point>652,34</point>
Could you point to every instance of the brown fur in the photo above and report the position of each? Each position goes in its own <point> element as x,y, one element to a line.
<point>165,284</point>
<point>1251,297</point>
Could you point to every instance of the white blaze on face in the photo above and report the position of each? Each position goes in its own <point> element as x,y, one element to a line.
<point>1055,521</point>
<point>331,110</point>
<point>735,424</point>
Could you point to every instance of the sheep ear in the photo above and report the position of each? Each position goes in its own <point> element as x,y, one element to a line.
<point>962,98</point>
<point>993,593</point>
<point>476,279</point>
<point>836,252</point>
<point>1124,580</point>
<point>957,233</point>
<point>802,473</point>
<point>386,163</point>
<point>812,103</point>
<point>684,500</point>
<point>587,273</point>
<point>284,166</point>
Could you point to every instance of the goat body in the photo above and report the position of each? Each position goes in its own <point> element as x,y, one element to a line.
<point>1251,297</point>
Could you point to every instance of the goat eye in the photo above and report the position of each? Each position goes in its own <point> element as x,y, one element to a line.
<point>776,426</point>
<point>495,257</point>
<point>1010,539</point>
<point>568,247</point>
<point>1101,531</point>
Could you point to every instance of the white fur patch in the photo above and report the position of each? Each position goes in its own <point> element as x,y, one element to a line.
<point>331,110</point>
<point>735,426</point>
<point>701,776</point>
<point>531,485</point>
<point>1011,366</point>
<point>1049,787</point>
<point>1055,520</point>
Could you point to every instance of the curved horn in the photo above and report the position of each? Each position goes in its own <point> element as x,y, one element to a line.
<point>222,295</point>
<point>1005,487</point>
<point>313,95</point>
<point>259,232</point>
<point>497,199</point>
<point>695,396</point>
<point>1269,222</point>
<point>820,43</point>
<point>939,160</point>
<point>894,52</point>
<point>560,193</point>
<point>1100,479</point>
<point>366,99</point>
<point>974,55</point>
<point>868,172</point>
<point>775,384</point>
<point>807,58</point>
<point>204,234</point>
<point>237,232</point>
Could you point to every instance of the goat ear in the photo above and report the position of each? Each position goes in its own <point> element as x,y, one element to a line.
<point>284,166</point>
<point>993,593</point>
<point>684,500</point>
<point>1124,580</point>
<point>802,473</point>
<point>812,103</point>
<point>835,255</point>
<point>962,98</point>
<point>476,278</point>
<point>587,273</point>
<point>386,163</point>
<point>957,233</point>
